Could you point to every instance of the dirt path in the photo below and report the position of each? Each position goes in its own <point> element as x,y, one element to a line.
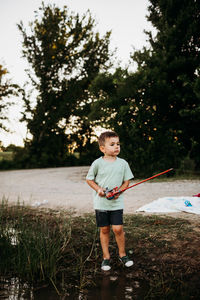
<point>65,188</point>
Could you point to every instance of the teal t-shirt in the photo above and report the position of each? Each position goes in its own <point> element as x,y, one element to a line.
<point>111,175</point>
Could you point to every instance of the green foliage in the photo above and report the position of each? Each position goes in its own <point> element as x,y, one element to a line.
<point>7,89</point>
<point>6,156</point>
<point>175,53</point>
<point>64,54</point>
<point>31,247</point>
<point>155,109</point>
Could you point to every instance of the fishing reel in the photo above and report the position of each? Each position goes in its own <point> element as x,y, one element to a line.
<point>110,194</point>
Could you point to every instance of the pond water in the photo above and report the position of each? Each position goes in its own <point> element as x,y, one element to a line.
<point>118,287</point>
<point>107,287</point>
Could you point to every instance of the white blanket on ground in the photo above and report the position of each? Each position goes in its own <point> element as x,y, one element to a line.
<point>172,204</point>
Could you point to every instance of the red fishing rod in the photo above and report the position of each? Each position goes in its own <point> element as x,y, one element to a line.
<point>110,194</point>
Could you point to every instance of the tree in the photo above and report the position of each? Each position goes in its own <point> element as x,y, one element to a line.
<point>122,108</point>
<point>156,109</point>
<point>174,63</point>
<point>65,54</point>
<point>7,89</point>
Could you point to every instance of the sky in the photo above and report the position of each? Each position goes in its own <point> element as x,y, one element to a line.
<point>126,19</point>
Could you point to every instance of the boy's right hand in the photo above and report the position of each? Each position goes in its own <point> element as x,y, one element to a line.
<point>101,192</point>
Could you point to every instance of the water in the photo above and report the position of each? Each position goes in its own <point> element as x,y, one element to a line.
<point>13,289</point>
<point>108,287</point>
<point>120,287</point>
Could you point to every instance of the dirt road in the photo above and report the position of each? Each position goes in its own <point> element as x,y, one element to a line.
<point>65,188</point>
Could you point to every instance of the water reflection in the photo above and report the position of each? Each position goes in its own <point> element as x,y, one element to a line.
<point>13,289</point>
<point>122,286</point>
<point>13,235</point>
<point>108,286</point>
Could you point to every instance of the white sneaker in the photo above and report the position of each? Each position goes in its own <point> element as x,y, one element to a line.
<point>105,266</point>
<point>127,262</point>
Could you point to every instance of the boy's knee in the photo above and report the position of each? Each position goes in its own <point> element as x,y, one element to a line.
<point>118,229</point>
<point>105,229</point>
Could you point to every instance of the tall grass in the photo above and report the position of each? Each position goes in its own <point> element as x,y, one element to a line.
<point>38,247</point>
<point>61,249</point>
<point>31,245</point>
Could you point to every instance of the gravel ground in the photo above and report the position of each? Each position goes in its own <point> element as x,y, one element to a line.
<point>66,188</point>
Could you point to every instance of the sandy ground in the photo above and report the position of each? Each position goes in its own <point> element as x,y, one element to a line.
<point>65,188</point>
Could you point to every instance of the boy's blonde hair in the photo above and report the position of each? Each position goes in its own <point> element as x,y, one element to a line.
<point>105,135</point>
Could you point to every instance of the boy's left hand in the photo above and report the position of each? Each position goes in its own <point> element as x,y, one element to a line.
<point>110,196</point>
<point>117,196</point>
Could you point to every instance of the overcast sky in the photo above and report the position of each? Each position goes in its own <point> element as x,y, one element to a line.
<point>125,18</point>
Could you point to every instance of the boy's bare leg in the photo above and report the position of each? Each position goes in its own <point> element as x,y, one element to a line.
<point>120,239</point>
<point>105,238</point>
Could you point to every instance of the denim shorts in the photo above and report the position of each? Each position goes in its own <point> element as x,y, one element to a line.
<point>109,217</point>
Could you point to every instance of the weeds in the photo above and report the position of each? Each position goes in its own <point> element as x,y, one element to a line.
<point>63,250</point>
<point>39,243</point>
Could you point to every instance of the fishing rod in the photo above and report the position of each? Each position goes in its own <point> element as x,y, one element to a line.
<point>110,194</point>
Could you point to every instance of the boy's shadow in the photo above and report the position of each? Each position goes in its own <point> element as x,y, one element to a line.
<point>119,285</point>
<point>113,287</point>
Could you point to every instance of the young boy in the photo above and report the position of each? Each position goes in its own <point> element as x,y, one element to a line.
<point>110,171</point>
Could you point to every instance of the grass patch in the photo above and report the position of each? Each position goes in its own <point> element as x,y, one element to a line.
<point>6,156</point>
<point>60,249</point>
